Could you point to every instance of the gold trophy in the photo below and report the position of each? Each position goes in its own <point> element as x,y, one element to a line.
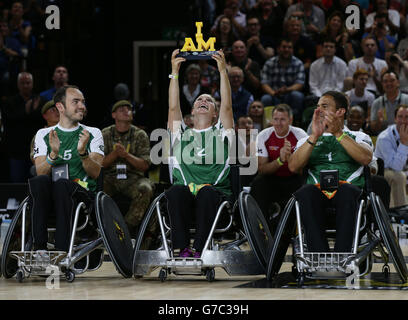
<point>203,51</point>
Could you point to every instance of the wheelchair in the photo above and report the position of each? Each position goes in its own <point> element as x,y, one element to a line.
<point>97,227</point>
<point>373,235</point>
<point>224,247</point>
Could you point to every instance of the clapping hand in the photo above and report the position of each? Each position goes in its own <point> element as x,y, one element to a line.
<point>120,150</point>
<point>83,141</point>
<point>403,133</point>
<point>318,122</point>
<point>54,143</point>
<point>334,122</point>
<point>285,151</point>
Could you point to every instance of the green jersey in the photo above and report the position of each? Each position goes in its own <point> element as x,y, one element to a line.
<point>329,154</point>
<point>68,150</point>
<point>201,157</point>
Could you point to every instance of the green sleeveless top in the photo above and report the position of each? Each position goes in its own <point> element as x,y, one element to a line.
<point>201,157</point>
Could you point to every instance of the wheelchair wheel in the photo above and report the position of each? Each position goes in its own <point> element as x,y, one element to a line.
<point>281,240</point>
<point>388,236</point>
<point>256,228</point>
<point>12,241</point>
<point>115,233</point>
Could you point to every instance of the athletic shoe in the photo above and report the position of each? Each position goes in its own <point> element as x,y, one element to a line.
<point>186,253</point>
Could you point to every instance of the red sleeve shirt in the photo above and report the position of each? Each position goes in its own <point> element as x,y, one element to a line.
<point>269,145</point>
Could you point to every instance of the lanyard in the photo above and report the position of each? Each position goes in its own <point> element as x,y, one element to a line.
<point>395,136</point>
<point>383,103</point>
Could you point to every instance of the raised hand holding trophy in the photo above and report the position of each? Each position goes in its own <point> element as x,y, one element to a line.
<point>191,52</point>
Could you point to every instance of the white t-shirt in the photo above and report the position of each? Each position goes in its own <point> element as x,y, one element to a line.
<point>379,64</point>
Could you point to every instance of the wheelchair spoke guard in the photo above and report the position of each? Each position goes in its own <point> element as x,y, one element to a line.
<point>388,236</point>
<point>12,241</point>
<point>115,233</point>
<point>256,228</point>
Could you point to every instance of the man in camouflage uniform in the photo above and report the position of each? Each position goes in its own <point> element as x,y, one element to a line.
<point>51,115</point>
<point>127,157</point>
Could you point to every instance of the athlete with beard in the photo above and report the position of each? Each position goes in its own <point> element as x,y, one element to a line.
<point>82,149</point>
<point>200,160</point>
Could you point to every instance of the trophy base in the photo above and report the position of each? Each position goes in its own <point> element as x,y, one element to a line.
<point>196,55</point>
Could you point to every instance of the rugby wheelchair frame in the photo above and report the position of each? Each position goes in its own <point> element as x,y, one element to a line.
<point>219,250</point>
<point>109,232</point>
<point>373,232</point>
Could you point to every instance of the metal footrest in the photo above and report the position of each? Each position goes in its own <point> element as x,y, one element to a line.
<point>324,261</point>
<point>35,260</point>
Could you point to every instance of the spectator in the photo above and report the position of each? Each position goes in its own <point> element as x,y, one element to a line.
<point>356,118</point>
<point>237,18</point>
<point>392,148</point>
<point>274,182</point>
<point>245,123</point>
<point>260,47</point>
<point>359,95</point>
<point>270,14</point>
<point>336,30</point>
<point>241,98</point>
<point>127,150</point>
<point>392,23</point>
<point>224,35</point>
<point>383,109</point>
<point>209,76</point>
<point>328,72</point>
<point>356,121</point>
<point>312,17</point>
<point>283,78</point>
<point>331,146</point>
<point>192,89</point>
<point>10,59</point>
<point>304,48</point>
<point>256,113</point>
<point>22,118</point>
<point>354,34</point>
<point>51,116</point>
<point>399,67</point>
<point>20,29</point>
<point>71,143</point>
<point>60,78</point>
<point>368,62</point>
<point>250,68</point>
<point>379,33</point>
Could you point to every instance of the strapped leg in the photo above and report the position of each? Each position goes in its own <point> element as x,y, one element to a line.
<point>180,204</point>
<point>40,190</point>
<point>208,200</point>
<point>312,203</point>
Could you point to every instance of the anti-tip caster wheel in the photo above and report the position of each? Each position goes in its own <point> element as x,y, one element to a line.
<point>210,275</point>
<point>163,275</point>
<point>20,276</point>
<point>69,276</point>
<point>386,270</point>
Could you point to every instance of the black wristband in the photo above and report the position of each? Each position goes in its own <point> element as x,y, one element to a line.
<point>83,155</point>
<point>310,142</point>
<point>53,159</point>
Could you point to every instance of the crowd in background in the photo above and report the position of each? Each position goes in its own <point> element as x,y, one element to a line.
<point>279,51</point>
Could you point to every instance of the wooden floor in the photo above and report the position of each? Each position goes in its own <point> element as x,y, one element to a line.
<point>107,283</point>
